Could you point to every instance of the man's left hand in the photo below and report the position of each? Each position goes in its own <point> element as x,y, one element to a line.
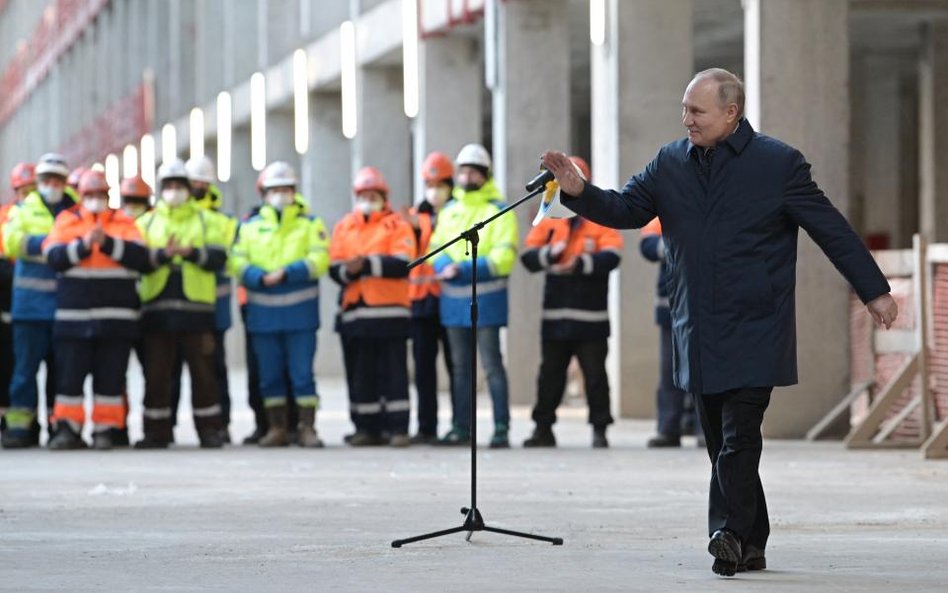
<point>883,310</point>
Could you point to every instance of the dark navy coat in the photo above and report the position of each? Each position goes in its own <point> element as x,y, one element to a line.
<point>730,229</point>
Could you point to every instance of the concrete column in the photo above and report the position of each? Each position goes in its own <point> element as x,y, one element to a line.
<point>531,114</point>
<point>807,43</point>
<point>636,100</point>
<point>326,185</point>
<point>240,196</point>
<point>280,146</point>
<point>451,94</point>
<point>933,127</point>
<point>876,140</point>
<point>384,133</point>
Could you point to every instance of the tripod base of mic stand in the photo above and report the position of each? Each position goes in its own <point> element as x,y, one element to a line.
<point>474,522</point>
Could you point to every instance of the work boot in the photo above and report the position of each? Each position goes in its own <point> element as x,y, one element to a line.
<point>16,439</point>
<point>599,438</point>
<point>254,437</point>
<point>119,437</point>
<point>276,436</point>
<point>364,438</point>
<point>399,440</point>
<point>455,438</point>
<point>211,439</point>
<point>307,429</point>
<point>66,439</point>
<point>500,440</point>
<point>225,435</point>
<point>424,438</point>
<point>542,437</point>
<point>663,441</point>
<point>152,442</point>
<point>102,440</point>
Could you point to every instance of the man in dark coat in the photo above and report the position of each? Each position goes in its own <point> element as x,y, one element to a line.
<point>731,201</point>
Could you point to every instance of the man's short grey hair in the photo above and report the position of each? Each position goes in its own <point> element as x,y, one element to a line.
<point>730,87</point>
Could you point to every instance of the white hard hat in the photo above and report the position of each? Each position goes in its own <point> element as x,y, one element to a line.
<point>201,169</point>
<point>474,154</point>
<point>52,163</point>
<point>278,174</point>
<point>175,169</point>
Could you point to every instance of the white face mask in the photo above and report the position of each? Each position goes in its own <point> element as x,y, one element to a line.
<point>437,196</point>
<point>134,210</point>
<point>52,195</point>
<point>174,197</point>
<point>279,200</point>
<point>367,207</point>
<point>95,205</point>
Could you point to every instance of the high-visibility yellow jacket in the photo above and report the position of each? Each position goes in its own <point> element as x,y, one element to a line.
<point>497,251</point>
<point>270,241</point>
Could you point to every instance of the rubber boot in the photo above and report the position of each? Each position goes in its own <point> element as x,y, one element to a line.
<point>276,435</point>
<point>307,429</point>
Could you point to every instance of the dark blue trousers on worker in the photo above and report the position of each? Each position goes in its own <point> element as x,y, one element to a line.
<point>33,344</point>
<point>426,333</point>
<point>731,423</point>
<point>286,354</point>
<point>379,393</point>
<point>671,400</point>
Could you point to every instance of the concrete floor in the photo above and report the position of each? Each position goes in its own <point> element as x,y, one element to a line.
<point>244,519</point>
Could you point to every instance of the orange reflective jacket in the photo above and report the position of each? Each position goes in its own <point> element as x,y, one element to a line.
<point>424,281</point>
<point>587,238</point>
<point>651,229</point>
<point>376,237</point>
<point>76,222</point>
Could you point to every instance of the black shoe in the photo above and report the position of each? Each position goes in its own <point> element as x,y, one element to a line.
<point>752,559</point>
<point>542,437</point>
<point>254,437</point>
<point>663,441</point>
<point>225,436</point>
<point>102,441</point>
<point>423,438</point>
<point>455,438</point>
<point>211,439</point>
<point>66,439</point>
<point>150,442</point>
<point>726,549</point>
<point>599,438</point>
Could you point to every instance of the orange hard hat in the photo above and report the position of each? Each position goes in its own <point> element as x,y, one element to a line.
<point>76,176</point>
<point>583,166</point>
<point>92,182</point>
<point>437,167</point>
<point>134,187</point>
<point>23,174</point>
<point>369,179</point>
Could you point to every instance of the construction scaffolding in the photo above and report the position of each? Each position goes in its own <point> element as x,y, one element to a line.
<point>899,383</point>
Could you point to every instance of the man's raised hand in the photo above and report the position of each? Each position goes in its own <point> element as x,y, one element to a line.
<point>565,172</point>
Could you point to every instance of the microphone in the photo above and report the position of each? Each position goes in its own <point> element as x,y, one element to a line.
<point>540,180</point>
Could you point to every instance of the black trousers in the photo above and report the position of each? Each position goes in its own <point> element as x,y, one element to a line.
<point>220,371</point>
<point>731,421</point>
<point>161,351</point>
<point>551,382</point>
<point>378,396</point>
<point>426,332</point>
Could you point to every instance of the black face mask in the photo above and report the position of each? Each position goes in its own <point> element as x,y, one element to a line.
<point>471,186</point>
<point>199,193</point>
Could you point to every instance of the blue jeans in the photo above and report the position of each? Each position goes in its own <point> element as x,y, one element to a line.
<point>283,354</point>
<point>488,346</point>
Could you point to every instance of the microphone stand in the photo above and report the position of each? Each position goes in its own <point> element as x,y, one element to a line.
<point>473,521</point>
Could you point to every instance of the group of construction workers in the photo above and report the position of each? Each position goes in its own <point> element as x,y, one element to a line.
<point>84,284</point>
